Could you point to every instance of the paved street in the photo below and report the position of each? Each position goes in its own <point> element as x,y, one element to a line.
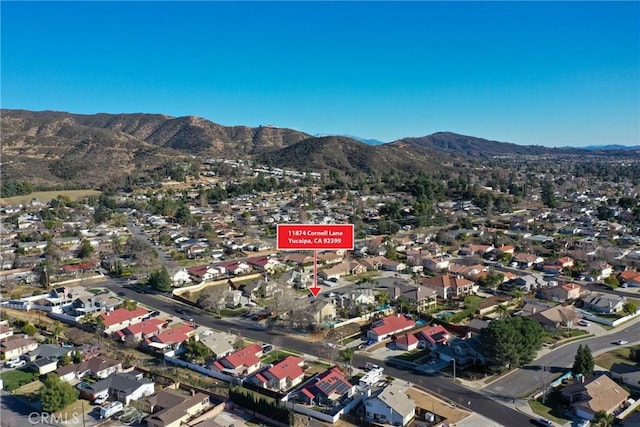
<point>530,377</point>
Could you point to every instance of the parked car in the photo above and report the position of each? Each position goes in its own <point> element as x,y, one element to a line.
<point>15,363</point>
<point>622,342</point>
<point>583,423</point>
<point>542,422</point>
<point>101,399</point>
<point>583,322</point>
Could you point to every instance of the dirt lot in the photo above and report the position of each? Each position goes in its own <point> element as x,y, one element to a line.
<point>433,404</point>
<point>47,196</point>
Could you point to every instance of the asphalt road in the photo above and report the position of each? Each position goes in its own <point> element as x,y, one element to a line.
<point>532,377</point>
<point>486,406</point>
<point>15,413</point>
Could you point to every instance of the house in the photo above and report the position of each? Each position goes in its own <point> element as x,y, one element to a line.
<point>468,271</point>
<point>436,264</point>
<point>390,325</point>
<point>466,352</point>
<point>599,271</point>
<point>342,269</point>
<point>506,249</point>
<point>598,393</point>
<point>605,303</point>
<point>5,330</point>
<point>240,363</point>
<point>328,388</point>
<point>121,318</point>
<point>16,346</point>
<point>407,342</point>
<point>235,267</point>
<point>47,351</point>
<point>630,277</point>
<point>433,337</point>
<point>203,273</point>
<point>564,262</point>
<point>626,373</point>
<point>298,279</point>
<point>219,342</point>
<point>173,407</point>
<point>98,366</point>
<point>235,298</point>
<point>43,365</point>
<point>265,263</point>
<point>527,260</point>
<point>282,376</point>
<point>122,387</point>
<point>171,337</point>
<point>479,250</point>
<point>390,406</point>
<point>526,283</point>
<point>562,293</point>
<point>449,286</point>
<point>556,318</point>
<point>141,331</point>
<point>321,311</point>
<point>552,269</point>
<point>329,258</point>
<point>298,259</point>
<point>421,297</point>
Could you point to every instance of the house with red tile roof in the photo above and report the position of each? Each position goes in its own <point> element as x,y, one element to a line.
<point>407,342</point>
<point>450,286</point>
<point>390,325</point>
<point>141,331</point>
<point>121,318</point>
<point>325,389</point>
<point>282,376</point>
<point>564,262</point>
<point>630,277</point>
<point>506,249</point>
<point>433,337</point>
<point>171,338</point>
<point>240,363</point>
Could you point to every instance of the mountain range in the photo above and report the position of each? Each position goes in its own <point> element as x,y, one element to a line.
<point>50,148</point>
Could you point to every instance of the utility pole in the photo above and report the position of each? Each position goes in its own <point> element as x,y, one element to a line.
<point>454,369</point>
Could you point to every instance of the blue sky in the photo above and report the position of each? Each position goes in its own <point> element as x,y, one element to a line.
<point>547,73</point>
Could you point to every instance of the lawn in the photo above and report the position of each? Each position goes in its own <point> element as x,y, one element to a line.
<point>47,196</point>
<point>30,390</point>
<point>619,355</point>
<point>413,356</point>
<point>551,409</point>
<point>17,378</point>
<point>276,355</point>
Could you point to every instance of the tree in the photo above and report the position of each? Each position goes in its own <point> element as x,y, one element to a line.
<point>603,419</point>
<point>129,304</point>
<point>511,343</point>
<point>583,362</point>
<point>503,311</point>
<point>160,280</point>
<point>56,394</point>
<point>197,352</point>
<point>85,250</point>
<point>65,360</point>
<point>611,281</point>
<point>29,329</point>
<point>57,330</point>
<point>629,307</point>
<point>346,356</point>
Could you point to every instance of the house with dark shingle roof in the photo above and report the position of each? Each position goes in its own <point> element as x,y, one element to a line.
<point>123,387</point>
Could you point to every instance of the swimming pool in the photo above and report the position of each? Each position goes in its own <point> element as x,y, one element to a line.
<point>444,314</point>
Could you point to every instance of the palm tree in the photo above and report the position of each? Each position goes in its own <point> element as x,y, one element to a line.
<point>502,311</point>
<point>346,356</point>
<point>603,419</point>
<point>129,304</point>
<point>57,330</point>
<point>383,298</point>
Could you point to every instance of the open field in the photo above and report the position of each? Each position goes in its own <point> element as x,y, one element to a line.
<point>619,355</point>
<point>47,196</point>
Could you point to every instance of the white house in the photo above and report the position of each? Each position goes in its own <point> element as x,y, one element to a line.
<point>391,406</point>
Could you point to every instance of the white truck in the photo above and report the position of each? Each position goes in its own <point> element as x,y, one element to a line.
<point>111,409</point>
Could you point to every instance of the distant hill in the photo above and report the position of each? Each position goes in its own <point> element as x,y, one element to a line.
<point>368,141</point>
<point>449,142</point>
<point>611,147</point>
<point>50,147</point>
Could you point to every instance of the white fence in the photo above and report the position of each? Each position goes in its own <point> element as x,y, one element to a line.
<point>608,322</point>
<point>203,285</point>
<point>366,316</point>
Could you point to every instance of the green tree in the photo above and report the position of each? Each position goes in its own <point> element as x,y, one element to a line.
<point>29,329</point>
<point>129,304</point>
<point>503,311</point>
<point>511,343</point>
<point>603,419</point>
<point>85,250</point>
<point>65,360</point>
<point>612,282</point>
<point>629,307</point>
<point>57,330</point>
<point>346,356</point>
<point>56,394</point>
<point>77,357</point>
<point>197,352</point>
<point>160,280</point>
<point>583,362</point>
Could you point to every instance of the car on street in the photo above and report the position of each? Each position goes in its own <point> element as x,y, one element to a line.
<point>122,293</point>
<point>622,342</point>
<point>187,318</point>
<point>542,422</point>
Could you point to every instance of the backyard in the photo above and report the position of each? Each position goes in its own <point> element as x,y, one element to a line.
<point>619,355</point>
<point>553,407</point>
